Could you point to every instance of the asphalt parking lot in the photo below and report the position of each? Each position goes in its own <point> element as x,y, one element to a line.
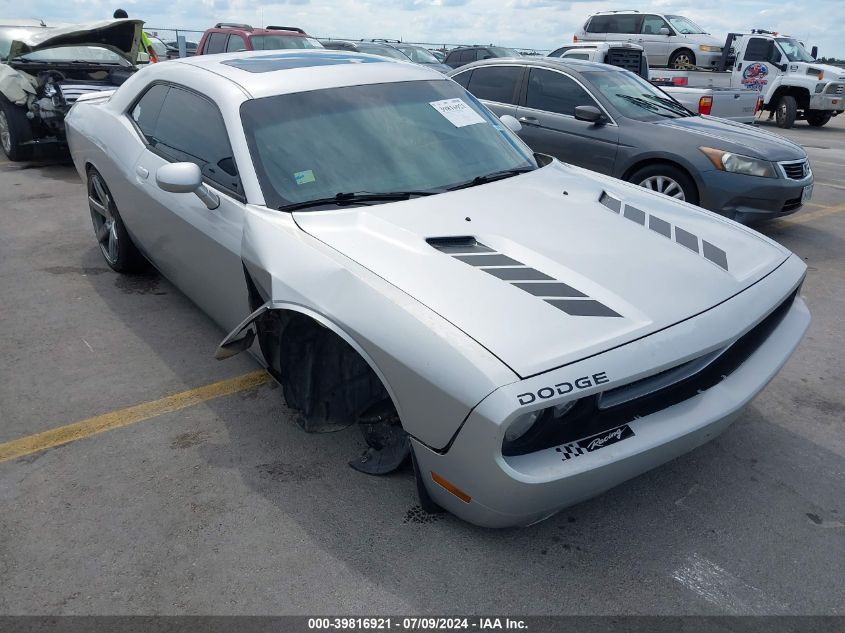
<point>213,501</point>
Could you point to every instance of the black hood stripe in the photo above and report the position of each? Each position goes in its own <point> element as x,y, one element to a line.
<point>548,289</point>
<point>683,237</point>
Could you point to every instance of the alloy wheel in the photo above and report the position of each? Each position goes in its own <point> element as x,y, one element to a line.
<point>105,227</point>
<point>664,185</point>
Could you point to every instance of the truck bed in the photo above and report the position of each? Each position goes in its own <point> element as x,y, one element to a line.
<point>727,103</point>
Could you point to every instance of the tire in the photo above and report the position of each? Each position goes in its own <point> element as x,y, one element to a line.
<point>668,180</point>
<point>14,131</point>
<point>115,244</point>
<point>817,118</point>
<point>786,112</point>
<point>682,58</point>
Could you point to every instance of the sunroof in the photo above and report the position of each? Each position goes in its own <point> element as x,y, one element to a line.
<point>287,61</point>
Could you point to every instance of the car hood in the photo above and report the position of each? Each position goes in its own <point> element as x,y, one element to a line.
<point>705,38</point>
<point>631,280</point>
<point>736,137</point>
<point>121,36</point>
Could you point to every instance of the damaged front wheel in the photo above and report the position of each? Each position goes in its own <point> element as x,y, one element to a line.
<point>15,130</point>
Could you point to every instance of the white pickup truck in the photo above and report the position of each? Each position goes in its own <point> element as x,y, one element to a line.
<point>736,104</point>
<point>791,84</point>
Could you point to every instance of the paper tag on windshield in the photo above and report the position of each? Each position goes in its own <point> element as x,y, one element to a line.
<point>457,111</point>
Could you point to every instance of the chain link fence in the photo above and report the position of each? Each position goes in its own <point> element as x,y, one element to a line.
<point>169,35</point>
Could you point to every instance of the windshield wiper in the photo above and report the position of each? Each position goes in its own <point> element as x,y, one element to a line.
<point>670,104</point>
<point>645,105</point>
<point>356,197</point>
<point>496,175</point>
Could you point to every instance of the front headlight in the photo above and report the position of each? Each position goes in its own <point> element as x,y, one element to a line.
<point>739,164</point>
<point>709,49</point>
<point>524,423</point>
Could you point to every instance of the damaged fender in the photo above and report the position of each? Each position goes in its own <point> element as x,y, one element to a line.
<point>17,86</point>
<point>432,371</point>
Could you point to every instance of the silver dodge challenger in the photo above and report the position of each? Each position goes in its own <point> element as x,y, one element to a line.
<point>526,332</point>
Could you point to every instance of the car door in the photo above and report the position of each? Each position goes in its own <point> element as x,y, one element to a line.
<point>656,44</point>
<point>549,126</point>
<point>497,86</point>
<point>196,248</point>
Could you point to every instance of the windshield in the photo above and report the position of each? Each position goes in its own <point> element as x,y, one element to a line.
<point>501,51</point>
<point>277,42</point>
<point>10,34</point>
<point>408,136</point>
<point>634,97</point>
<point>384,51</point>
<point>793,50</point>
<point>419,55</point>
<point>683,25</point>
<point>85,54</point>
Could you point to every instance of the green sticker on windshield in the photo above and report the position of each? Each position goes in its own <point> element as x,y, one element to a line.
<point>304,177</point>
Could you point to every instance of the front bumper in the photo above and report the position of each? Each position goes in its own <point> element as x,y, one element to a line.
<point>748,198</point>
<point>706,59</point>
<point>524,489</point>
<point>831,99</point>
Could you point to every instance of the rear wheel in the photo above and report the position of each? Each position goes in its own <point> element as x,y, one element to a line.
<point>115,244</point>
<point>14,131</point>
<point>786,112</point>
<point>668,180</point>
<point>682,58</point>
<point>818,118</point>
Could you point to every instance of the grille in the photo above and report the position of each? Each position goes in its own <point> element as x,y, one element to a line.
<point>797,170</point>
<point>72,91</point>
<point>626,58</point>
<point>588,418</point>
<point>840,89</point>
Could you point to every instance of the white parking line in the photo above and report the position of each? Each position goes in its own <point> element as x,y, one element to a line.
<point>724,590</point>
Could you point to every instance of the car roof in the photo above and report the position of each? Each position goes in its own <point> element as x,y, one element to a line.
<point>267,73</point>
<point>246,29</point>
<point>576,65</point>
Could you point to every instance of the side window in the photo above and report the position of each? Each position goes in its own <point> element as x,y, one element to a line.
<point>758,50</point>
<point>467,56</point>
<point>484,53</point>
<point>573,55</point>
<point>652,25</point>
<point>216,43</point>
<point>236,43</point>
<point>495,83</point>
<point>463,78</point>
<point>145,113</point>
<point>625,24</point>
<point>191,129</point>
<point>553,92</point>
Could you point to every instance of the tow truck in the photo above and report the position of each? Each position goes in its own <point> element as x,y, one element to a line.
<point>792,85</point>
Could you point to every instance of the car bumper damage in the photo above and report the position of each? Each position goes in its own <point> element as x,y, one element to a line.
<point>497,490</point>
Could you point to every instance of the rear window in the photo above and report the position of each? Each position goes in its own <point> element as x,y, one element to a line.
<point>495,83</point>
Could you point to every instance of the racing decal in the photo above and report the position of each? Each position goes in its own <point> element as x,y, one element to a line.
<point>594,442</point>
<point>555,293</point>
<point>755,76</point>
<point>697,245</point>
<point>563,388</point>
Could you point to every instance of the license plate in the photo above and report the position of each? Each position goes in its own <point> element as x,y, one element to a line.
<point>806,194</point>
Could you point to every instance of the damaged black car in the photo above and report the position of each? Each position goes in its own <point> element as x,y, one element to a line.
<point>44,71</point>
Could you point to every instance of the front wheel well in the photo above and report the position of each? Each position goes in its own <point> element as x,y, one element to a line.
<point>323,378</point>
<point>801,95</point>
<point>653,162</point>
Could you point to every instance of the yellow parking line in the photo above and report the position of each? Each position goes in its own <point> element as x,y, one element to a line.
<point>829,184</point>
<point>130,415</point>
<point>801,218</point>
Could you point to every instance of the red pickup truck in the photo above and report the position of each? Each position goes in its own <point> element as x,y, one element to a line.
<point>227,37</point>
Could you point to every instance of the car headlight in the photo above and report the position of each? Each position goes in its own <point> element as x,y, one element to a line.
<point>739,164</point>
<point>524,423</point>
<point>709,49</point>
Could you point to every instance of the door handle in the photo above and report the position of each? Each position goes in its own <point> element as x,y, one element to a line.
<point>142,172</point>
<point>529,120</point>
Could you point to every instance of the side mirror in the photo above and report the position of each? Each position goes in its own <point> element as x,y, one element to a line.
<point>510,122</point>
<point>185,178</point>
<point>588,113</point>
<point>814,52</point>
<point>664,31</point>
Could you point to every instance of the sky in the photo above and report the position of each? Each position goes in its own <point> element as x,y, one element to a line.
<point>537,24</point>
